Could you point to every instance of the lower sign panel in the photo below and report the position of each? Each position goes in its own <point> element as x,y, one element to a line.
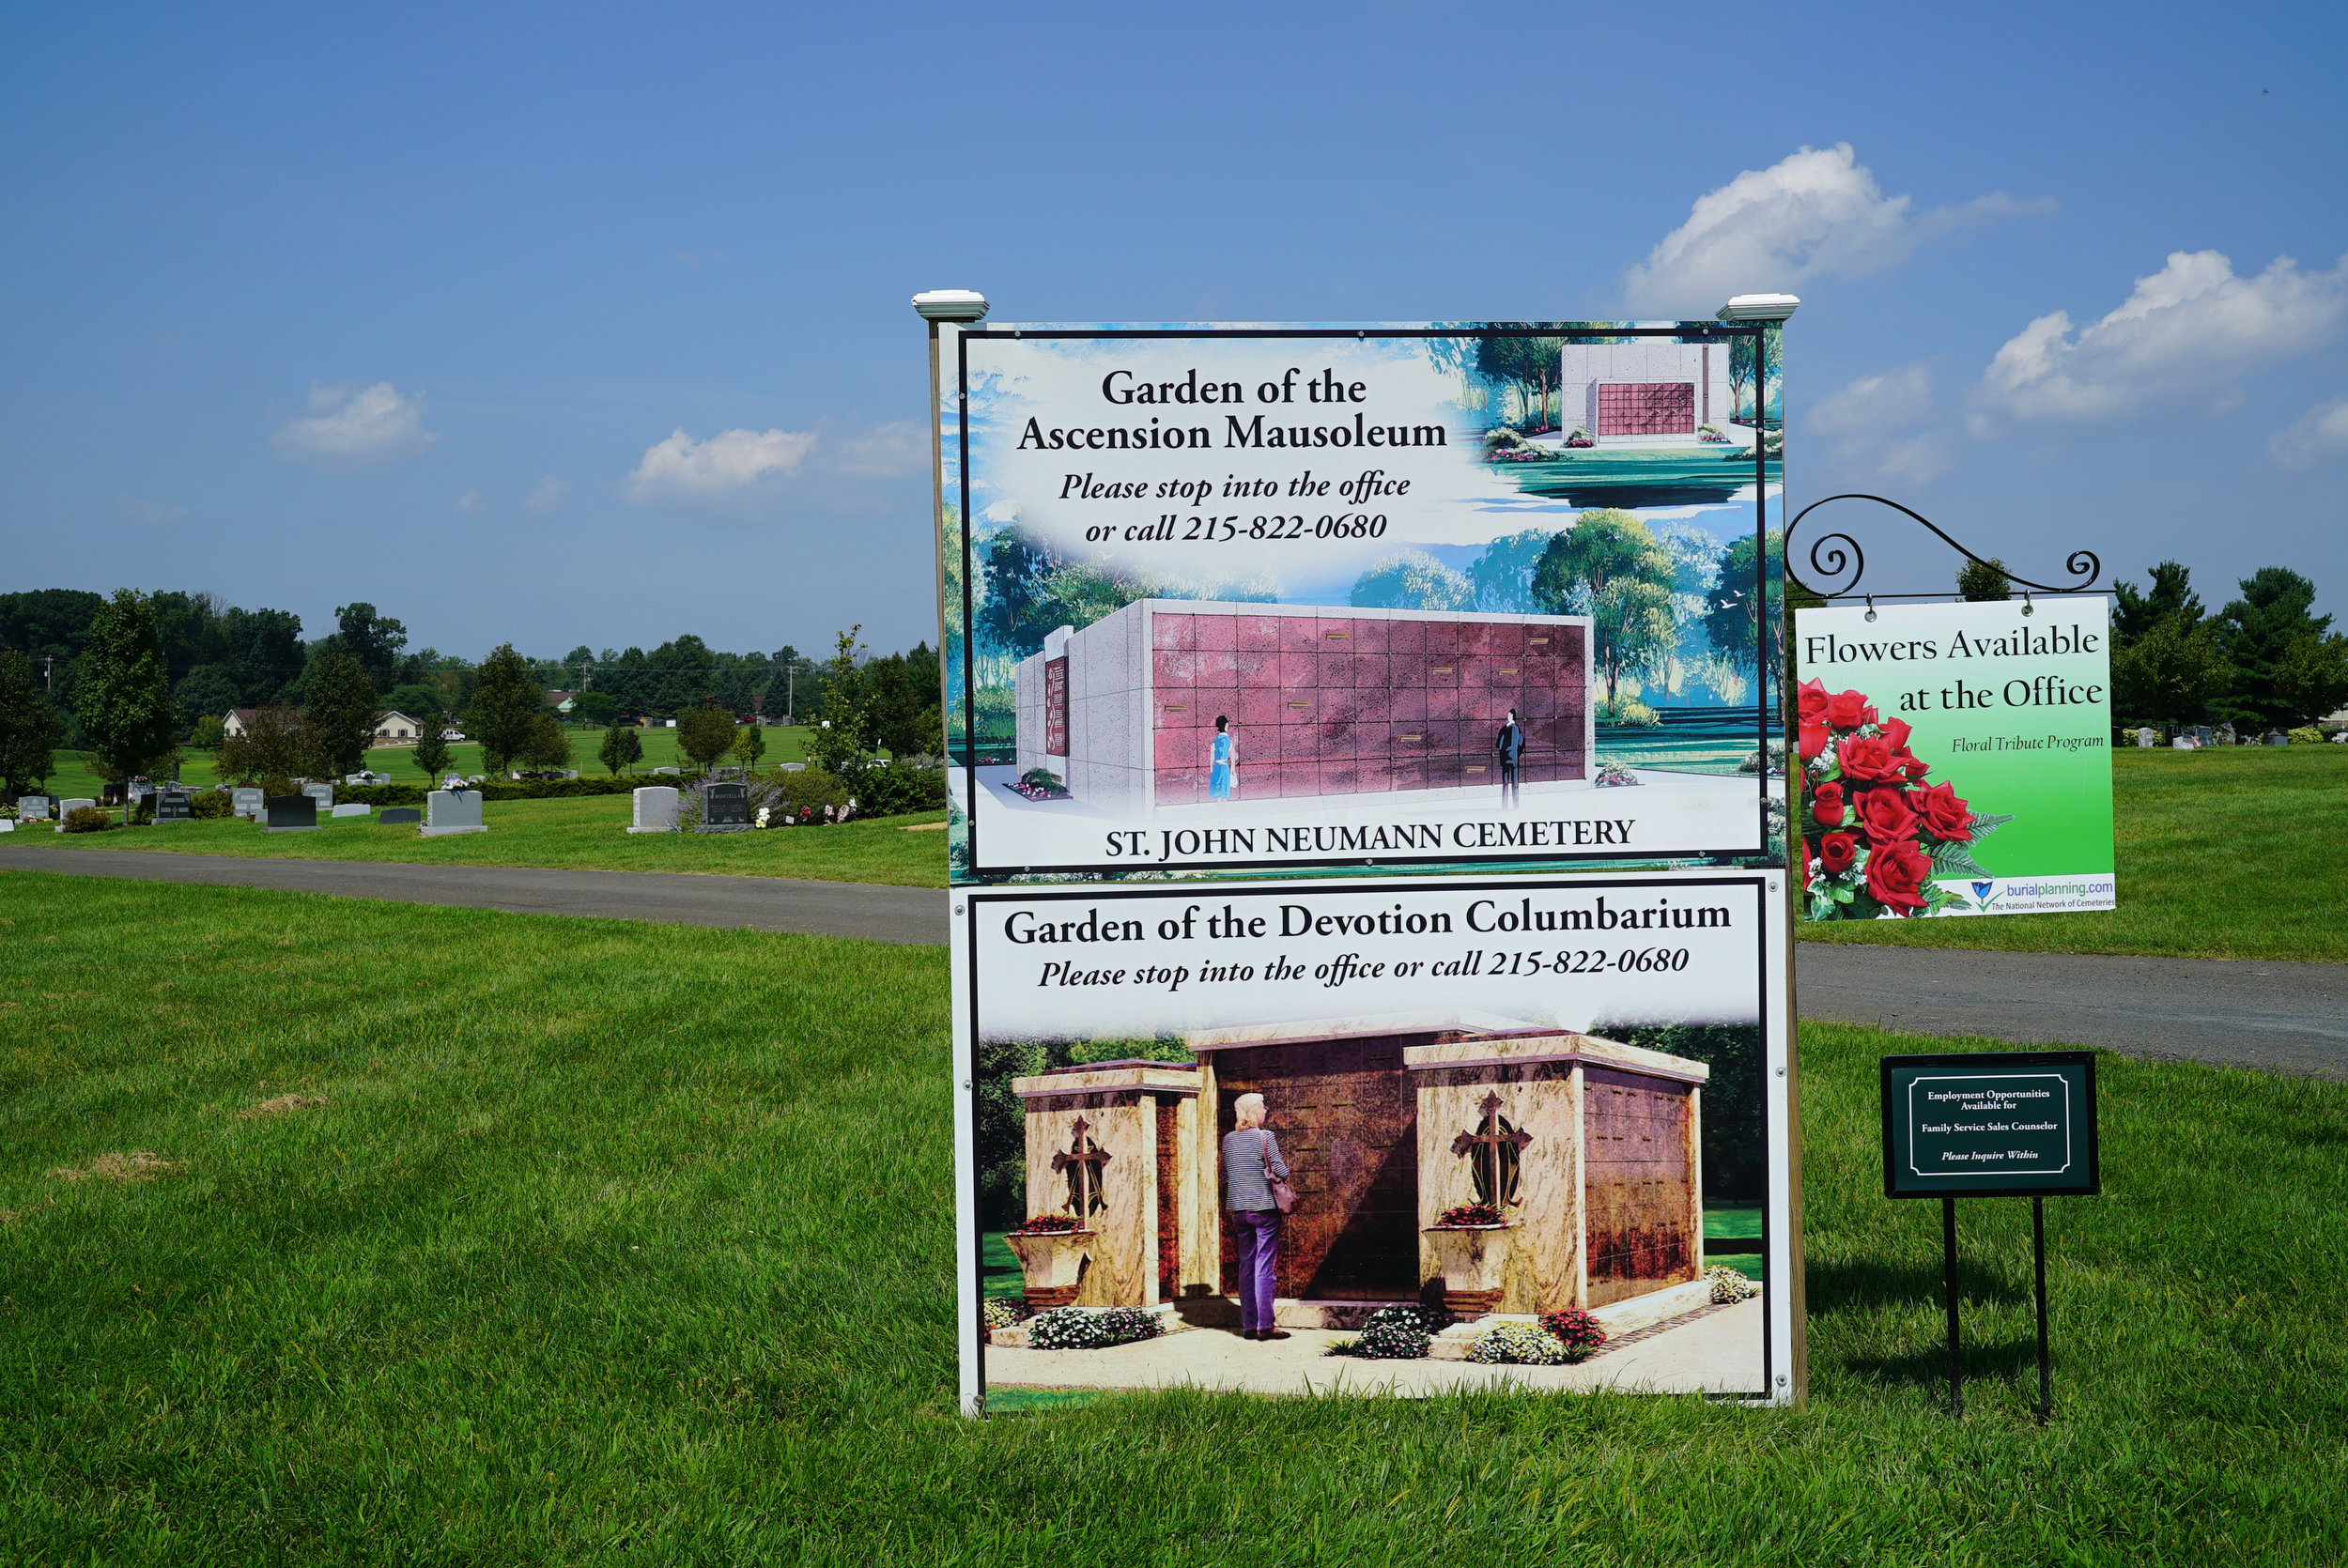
<point>1536,1132</point>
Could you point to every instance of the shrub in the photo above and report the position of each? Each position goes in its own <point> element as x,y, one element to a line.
<point>1077,1329</point>
<point>1004,1311</point>
<point>896,790</point>
<point>277,784</point>
<point>1041,784</point>
<point>1629,713</point>
<point>1520,1344</point>
<point>1729,1286</point>
<point>89,819</point>
<point>808,791</point>
<point>1574,1328</point>
<point>1613,775</point>
<point>208,805</point>
<point>1579,438</point>
<point>2311,735</point>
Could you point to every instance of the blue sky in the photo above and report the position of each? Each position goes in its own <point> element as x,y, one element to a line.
<point>304,307</point>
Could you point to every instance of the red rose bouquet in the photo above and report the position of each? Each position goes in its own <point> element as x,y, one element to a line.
<point>1876,840</point>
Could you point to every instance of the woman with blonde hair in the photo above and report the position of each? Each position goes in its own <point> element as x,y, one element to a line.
<point>1254,1175</point>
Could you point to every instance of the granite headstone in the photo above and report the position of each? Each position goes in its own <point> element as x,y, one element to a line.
<point>32,808</point>
<point>245,801</point>
<point>447,811</point>
<point>173,806</point>
<point>322,793</point>
<point>291,814</point>
<point>394,815</point>
<point>655,811</point>
<point>725,808</point>
<point>353,809</point>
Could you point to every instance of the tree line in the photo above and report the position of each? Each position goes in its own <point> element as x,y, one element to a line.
<point>2263,662</point>
<point>132,678</point>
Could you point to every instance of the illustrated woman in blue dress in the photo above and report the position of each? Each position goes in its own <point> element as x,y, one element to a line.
<point>1224,773</point>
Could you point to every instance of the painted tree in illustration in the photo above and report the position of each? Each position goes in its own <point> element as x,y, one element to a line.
<point>1611,565</point>
<point>119,691</point>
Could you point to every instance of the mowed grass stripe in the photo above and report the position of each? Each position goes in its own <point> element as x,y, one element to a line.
<point>614,1243</point>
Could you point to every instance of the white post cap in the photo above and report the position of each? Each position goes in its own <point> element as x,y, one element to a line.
<point>951,305</point>
<point>1760,307</point>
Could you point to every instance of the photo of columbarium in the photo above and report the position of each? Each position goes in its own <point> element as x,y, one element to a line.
<point>1172,703</point>
<point>1474,1176</point>
<point>1645,391</point>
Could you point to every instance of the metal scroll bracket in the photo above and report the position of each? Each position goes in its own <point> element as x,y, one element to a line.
<point>1832,555</point>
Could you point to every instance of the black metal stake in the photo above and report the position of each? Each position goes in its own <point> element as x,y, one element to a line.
<point>1948,1266</point>
<point>2038,1249</point>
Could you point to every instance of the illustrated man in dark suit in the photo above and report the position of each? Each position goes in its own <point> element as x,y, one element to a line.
<point>1508,745</point>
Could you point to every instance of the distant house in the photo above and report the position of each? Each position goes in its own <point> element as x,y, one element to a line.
<point>239,721</point>
<point>561,700</point>
<point>397,729</point>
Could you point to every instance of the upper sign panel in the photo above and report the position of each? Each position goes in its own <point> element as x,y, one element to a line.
<point>1239,597</point>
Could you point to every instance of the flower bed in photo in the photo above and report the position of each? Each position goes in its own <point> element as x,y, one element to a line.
<point>1077,1328</point>
<point>1400,1333</point>
<point>1574,1328</point>
<point>1729,1286</point>
<point>1041,784</point>
<point>1873,836</point>
<point>1522,1345</point>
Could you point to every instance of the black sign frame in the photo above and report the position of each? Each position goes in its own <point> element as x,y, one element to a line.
<point>1989,1064</point>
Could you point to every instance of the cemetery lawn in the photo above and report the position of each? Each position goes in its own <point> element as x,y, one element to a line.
<point>586,831</point>
<point>2226,854</point>
<point>339,1231</point>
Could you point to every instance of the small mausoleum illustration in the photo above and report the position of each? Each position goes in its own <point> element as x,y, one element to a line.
<point>1590,1149</point>
<point>1319,701</point>
<point>1646,392</point>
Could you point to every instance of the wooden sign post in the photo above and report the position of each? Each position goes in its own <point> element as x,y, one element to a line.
<point>2017,1123</point>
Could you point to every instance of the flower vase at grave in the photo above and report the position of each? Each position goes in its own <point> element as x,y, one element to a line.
<point>1474,1263</point>
<point>1052,1264</point>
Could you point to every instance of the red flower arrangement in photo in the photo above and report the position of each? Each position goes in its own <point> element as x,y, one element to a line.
<point>1876,840</point>
<point>1459,1216</point>
<point>1049,1224</point>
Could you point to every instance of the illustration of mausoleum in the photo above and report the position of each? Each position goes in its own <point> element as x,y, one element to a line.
<point>1645,391</point>
<point>1320,701</point>
<point>1590,1149</point>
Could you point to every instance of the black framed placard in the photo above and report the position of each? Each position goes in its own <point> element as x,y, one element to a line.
<point>2012,1124</point>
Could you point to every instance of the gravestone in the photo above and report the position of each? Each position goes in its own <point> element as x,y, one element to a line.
<point>173,805</point>
<point>245,802</point>
<point>321,792</point>
<point>291,814</point>
<point>672,771</point>
<point>33,808</point>
<point>394,815</point>
<point>67,807</point>
<point>656,809</point>
<point>353,809</point>
<point>7,824</point>
<point>2276,737</point>
<point>140,790</point>
<point>447,811</point>
<point>725,808</point>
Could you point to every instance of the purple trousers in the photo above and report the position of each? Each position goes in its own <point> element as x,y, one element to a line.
<point>1259,1234</point>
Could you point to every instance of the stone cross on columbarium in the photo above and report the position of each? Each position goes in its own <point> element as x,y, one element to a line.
<point>1083,1158</point>
<point>1491,1138</point>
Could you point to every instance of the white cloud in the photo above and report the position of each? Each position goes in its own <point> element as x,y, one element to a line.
<point>1874,403</point>
<point>547,496</point>
<point>351,429</point>
<point>883,452</point>
<point>1869,426</point>
<point>2318,436</point>
<point>681,470</point>
<point>1818,213</point>
<point>2187,328</point>
<point>469,501</point>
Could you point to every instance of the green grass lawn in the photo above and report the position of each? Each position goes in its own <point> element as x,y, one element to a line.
<point>75,777</point>
<point>588,831</point>
<point>599,1242</point>
<point>2222,854</point>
